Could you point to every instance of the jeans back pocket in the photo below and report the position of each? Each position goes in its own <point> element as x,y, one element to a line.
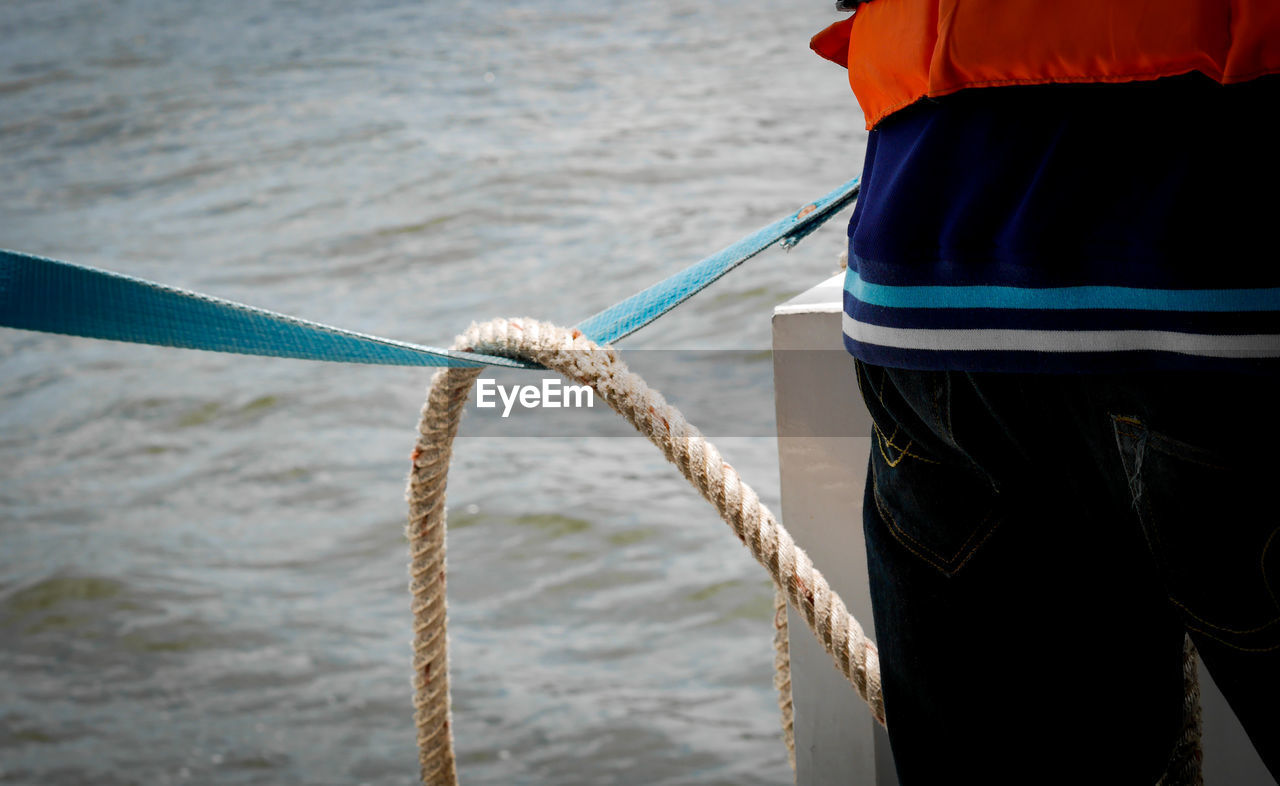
<point>1210,520</point>
<point>934,500</point>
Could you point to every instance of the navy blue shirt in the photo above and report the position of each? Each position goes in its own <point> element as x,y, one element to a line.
<point>1071,228</point>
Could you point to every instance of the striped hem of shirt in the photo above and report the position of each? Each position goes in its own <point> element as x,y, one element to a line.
<point>1062,329</point>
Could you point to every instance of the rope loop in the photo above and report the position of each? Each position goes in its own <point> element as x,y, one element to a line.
<point>798,582</point>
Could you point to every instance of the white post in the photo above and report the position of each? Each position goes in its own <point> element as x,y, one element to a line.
<point>823,443</point>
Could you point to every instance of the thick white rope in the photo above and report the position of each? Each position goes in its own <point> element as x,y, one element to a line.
<point>583,361</point>
<point>1183,768</point>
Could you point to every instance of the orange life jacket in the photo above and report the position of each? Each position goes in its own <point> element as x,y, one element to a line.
<point>899,51</point>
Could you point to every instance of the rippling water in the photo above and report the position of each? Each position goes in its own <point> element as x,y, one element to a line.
<point>202,562</point>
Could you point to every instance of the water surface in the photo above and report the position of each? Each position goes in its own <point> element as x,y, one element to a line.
<point>202,561</point>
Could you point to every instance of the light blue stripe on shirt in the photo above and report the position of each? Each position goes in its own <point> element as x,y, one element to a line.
<point>1062,298</point>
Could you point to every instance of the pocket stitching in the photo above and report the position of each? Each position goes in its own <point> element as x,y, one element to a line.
<point>904,451</point>
<point>901,535</point>
<point>1223,628</point>
<point>1226,643</point>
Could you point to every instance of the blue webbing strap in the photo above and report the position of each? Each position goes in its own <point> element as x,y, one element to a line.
<point>621,320</point>
<point>59,297</point>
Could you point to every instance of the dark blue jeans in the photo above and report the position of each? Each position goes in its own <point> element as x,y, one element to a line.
<point>1038,545</point>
